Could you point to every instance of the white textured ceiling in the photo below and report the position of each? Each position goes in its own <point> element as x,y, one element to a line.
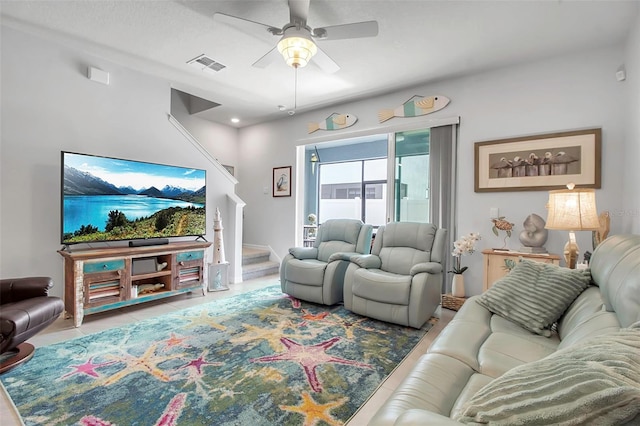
<point>418,42</point>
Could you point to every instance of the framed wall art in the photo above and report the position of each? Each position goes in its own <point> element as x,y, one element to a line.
<point>539,162</point>
<point>282,181</point>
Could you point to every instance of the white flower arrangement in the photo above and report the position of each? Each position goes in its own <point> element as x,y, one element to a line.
<point>312,219</point>
<point>462,247</point>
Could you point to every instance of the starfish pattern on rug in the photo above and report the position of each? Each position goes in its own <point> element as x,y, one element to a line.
<point>271,334</point>
<point>349,325</point>
<point>147,363</point>
<point>295,303</point>
<point>183,348</point>
<point>175,341</point>
<point>309,316</point>
<point>195,375</point>
<point>93,421</point>
<point>169,416</point>
<point>313,412</point>
<point>310,357</point>
<point>274,311</point>
<point>226,393</point>
<point>271,374</point>
<point>267,373</point>
<point>88,368</point>
<point>199,362</point>
<point>205,320</point>
<point>172,413</point>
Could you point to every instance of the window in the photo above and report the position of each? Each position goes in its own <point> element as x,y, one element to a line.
<point>342,186</point>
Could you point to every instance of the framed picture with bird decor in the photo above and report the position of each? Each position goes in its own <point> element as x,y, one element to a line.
<point>539,162</point>
<point>282,181</point>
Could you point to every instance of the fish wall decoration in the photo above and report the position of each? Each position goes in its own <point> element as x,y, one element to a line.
<point>334,122</point>
<point>414,107</point>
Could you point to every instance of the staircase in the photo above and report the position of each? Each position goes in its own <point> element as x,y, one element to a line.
<point>256,263</point>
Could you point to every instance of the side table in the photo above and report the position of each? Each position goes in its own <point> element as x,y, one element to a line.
<point>498,263</point>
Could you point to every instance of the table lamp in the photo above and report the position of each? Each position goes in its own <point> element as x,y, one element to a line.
<point>572,210</point>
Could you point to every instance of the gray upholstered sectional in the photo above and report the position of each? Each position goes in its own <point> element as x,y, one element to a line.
<point>477,347</point>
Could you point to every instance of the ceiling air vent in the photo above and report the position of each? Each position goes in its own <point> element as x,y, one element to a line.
<point>205,63</point>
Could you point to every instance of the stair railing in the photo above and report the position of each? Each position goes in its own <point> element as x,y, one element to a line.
<point>234,221</point>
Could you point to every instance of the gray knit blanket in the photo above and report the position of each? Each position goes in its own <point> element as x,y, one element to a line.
<point>596,382</point>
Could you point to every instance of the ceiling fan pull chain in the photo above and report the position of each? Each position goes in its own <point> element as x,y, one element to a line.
<point>295,90</point>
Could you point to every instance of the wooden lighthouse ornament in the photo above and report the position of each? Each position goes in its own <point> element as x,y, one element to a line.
<point>219,269</point>
<point>218,242</point>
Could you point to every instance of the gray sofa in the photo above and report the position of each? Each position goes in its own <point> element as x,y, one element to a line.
<point>478,347</point>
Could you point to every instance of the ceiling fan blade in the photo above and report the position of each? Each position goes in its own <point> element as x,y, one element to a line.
<point>340,32</point>
<point>267,59</point>
<point>324,62</point>
<point>299,11</point>
<point>245,24</point>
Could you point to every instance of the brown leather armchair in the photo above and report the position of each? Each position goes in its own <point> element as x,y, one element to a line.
<point>25,309</point>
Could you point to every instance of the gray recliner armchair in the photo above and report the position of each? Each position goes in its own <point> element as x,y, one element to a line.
<point>400,281</point>
<point>316,274</point>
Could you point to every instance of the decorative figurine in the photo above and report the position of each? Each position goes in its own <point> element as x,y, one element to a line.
<point>218,242</point>
<point>534,235</point>
<point>502,224</point>
<point>219,270</point>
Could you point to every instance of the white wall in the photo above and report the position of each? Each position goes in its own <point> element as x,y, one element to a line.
<point>630,215</point>
<point>572,92</point>
<point>219,140</point>
<point>49,105</point>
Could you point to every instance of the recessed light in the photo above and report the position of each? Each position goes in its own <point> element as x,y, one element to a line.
<point>281,107</point>
<point>235,120</point>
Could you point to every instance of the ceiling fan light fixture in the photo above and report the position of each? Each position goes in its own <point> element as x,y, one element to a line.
<point>297,49</point>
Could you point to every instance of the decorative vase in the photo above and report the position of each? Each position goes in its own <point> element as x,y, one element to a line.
<point>457,285</point>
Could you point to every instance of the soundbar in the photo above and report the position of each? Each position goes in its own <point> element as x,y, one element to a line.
<point>149,242</point>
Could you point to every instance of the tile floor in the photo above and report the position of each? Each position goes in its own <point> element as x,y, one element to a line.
<point>63,329</point>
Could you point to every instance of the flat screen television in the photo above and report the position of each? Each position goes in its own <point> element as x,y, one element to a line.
<point>112,199</point>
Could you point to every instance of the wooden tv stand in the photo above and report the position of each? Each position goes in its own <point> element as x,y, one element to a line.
<point>98,280</point>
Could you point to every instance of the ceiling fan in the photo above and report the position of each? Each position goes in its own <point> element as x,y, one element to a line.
<point>297,42</point>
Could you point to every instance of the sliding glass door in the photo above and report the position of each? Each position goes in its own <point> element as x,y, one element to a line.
<point>411,181</point>
<point>374,184</point>
<point>406,176</point>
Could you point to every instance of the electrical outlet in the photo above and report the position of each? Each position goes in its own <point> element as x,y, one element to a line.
<point>494,212</point>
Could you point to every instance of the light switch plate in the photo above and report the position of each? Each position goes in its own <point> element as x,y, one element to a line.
<point>494,212</point>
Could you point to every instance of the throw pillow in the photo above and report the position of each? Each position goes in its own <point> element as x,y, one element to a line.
<point>595,382</point>
<point>535,294</point>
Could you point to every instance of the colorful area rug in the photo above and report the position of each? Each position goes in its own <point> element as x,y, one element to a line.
<point>260,358</point>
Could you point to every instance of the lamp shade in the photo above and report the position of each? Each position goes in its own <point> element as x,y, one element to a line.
<point>297,48</point>
<point>572,210</point>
